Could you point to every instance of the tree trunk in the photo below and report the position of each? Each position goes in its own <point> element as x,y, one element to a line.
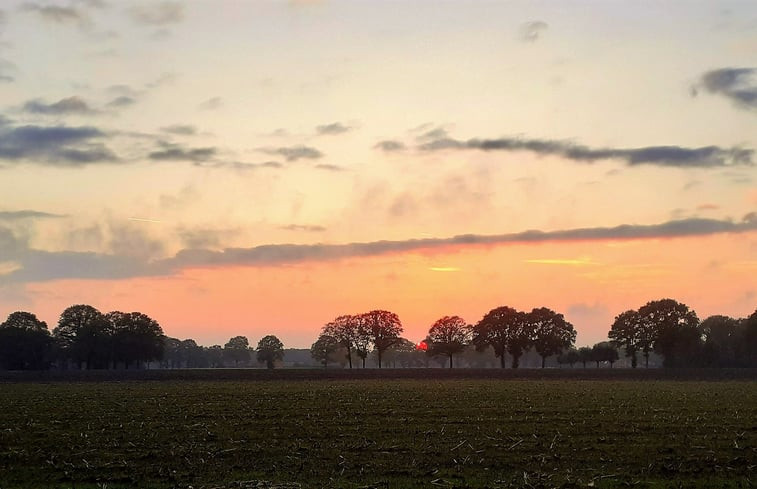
<point>363,362</point>
<point>543,361</point>
<point>379,355</point>
<point>597,363</point>
<point>349,356</point>
<point>502,360</point>
<point>450,360</point>
<point>516,361</point>
<point>634,362</point>
<point>646,359</point>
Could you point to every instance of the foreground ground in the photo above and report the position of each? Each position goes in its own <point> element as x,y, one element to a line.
<point>379,432</point>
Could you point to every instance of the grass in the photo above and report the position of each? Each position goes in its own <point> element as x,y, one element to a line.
<point>379,433</point>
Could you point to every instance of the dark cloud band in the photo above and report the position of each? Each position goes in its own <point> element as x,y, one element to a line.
<point>674,156</point>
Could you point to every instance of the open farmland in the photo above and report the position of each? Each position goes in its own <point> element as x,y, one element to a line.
<point>391,432</point>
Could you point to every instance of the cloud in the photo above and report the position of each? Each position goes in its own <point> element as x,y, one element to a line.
<point>122,101</point>
<point>54,145</point>
<point>205,238</point>
<point>211,104</point>
<point>69,105</point>
<point>329,167</point>
<point>57,13</point>
<point>36,265</point>
<point>303,227</point>
<point>390,145</point>
<point>290,253</point>
<point>334,128</point>
<point>175,152</point>
<point>158,13</point>
<point>180,129</point>
<point>294,153</point>
<point>532,31</point>
<point>737,84</point>
<point>27,214</point>
<point>674,156</point>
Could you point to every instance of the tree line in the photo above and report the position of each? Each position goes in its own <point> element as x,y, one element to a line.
<point>504,329</point>
<point>86,338</point>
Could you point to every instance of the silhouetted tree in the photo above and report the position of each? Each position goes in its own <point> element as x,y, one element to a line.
<point>237,350</point>
<point>604,351</point>
<point>324,348</point>
<point>570,357</point>
<point>584,355</point>
<point>345,330</point>
<point>84,335</point>
<point>504,329</point>
<point>25,342</point>
<point>675,331</point>
<point>383,328</point>
<point>551,333</point>
<point>722,338</point>
<point>214,354</point>
<point>448,336</point>
<point>136,337</point>
<point>270,350</point>
<point>406,353</point>
<point>626,331</point>
<point>192,354</point>
<point>172,353</point>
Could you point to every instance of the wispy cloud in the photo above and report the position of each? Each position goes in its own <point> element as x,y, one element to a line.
<point>294,153</point>
<point>175,152</point>
<point>27,214</point>
<point>180,129</point>
<point>333,128</point>
<point>66,106</point>
<point>157,13</point>
<point>737,84</point>
<point>673,156</point>
<point>390,145</point>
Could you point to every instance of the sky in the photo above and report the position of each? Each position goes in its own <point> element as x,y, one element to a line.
<point>251,168</point>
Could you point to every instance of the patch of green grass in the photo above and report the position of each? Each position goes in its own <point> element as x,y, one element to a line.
<point>379,433</point>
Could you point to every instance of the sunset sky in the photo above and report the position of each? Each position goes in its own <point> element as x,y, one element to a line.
<point>251,168</point>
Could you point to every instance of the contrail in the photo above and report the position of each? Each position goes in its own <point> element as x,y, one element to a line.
<point>140,219</point>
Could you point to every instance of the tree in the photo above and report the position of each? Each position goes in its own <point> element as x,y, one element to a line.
<point>214,355</point>
<point>626,332</point>
<point>722,338</point>
<point>237,349</point>
<point>345,330</point>
<point>675,331</point>
<point>604,351</point>
<point>504,329</point>
<point>584,355</point>
<point>448,336</point>
<point>551,333</point>
<point>383,328</point>
<point>84,334</point>
<point>570,357</point>
<point>25,342</point>
<point>136,337</point>
<point>324,348</point>
<point>270,350</point>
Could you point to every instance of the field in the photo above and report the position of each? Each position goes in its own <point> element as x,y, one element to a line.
<point>429,429</point>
